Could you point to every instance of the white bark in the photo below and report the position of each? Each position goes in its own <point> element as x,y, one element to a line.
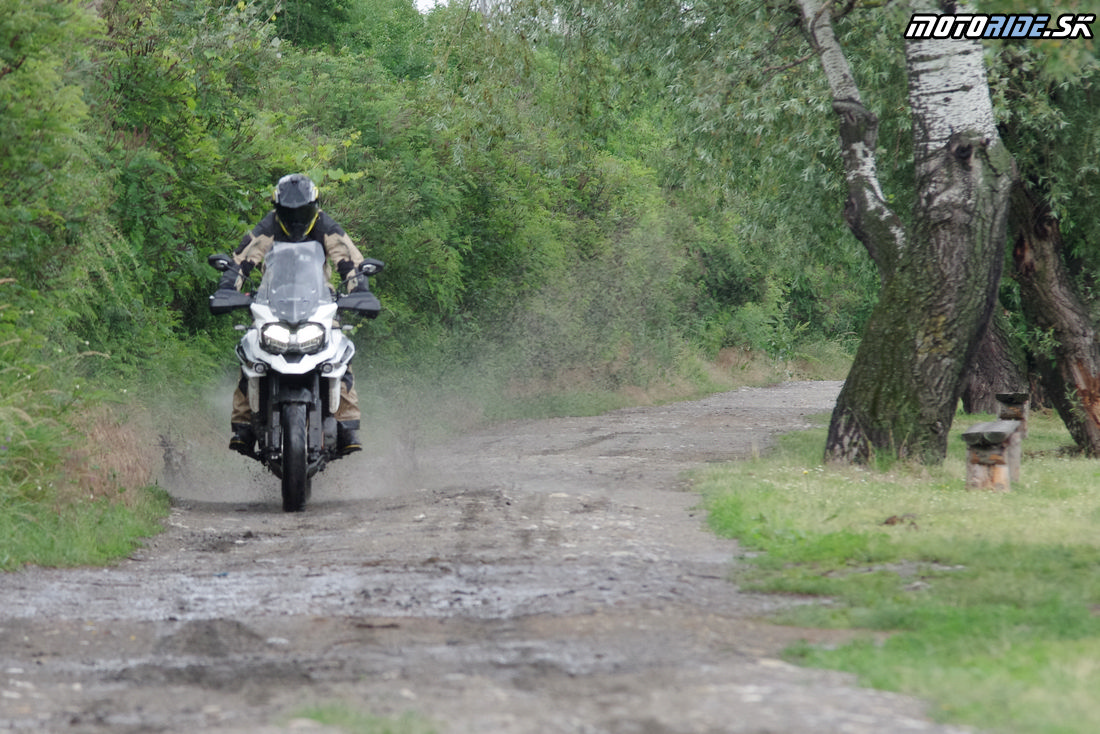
<point>948,89</point>
<point>866,211</point>
<point>960,187</point>
<point>819,27</point>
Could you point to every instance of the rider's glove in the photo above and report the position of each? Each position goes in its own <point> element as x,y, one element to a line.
<point>228,281</point>
<point>346,268</point>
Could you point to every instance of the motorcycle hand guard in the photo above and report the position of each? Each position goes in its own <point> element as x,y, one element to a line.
<point>224,301</point>
<point>363,303</point>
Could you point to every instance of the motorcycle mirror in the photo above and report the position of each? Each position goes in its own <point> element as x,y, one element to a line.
<point>220,262</point>
<point>370,266</point>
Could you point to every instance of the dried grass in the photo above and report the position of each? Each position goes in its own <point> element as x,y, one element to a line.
<point>118,453</point>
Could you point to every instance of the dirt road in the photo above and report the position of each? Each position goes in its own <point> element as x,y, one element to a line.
<point>537,577</point>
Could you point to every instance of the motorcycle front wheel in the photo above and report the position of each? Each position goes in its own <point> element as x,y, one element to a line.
<point>295,457</point>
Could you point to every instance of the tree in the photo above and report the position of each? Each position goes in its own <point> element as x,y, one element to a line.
<point>1048,109</point>
<point>941,273</point>
<point>1070,371</point>
<point>313,23</point>
<point>1000,365</point>
<point>41,111</point>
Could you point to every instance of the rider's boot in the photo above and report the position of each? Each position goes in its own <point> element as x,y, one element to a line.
<point>243,440</point>
<point>347,438</point>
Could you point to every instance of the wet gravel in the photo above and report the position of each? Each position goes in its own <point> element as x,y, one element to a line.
<point>537,576</point>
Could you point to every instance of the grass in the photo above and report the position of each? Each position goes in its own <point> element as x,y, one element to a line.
<point>987,605</point>
<point>353,721</point>
<point>74,475</point>
<point>76,533</point>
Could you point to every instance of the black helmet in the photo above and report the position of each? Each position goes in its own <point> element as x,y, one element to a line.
<point>296,205</point>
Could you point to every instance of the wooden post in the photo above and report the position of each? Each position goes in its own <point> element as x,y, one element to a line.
<point>988,459</point>
<point>1015,406</point>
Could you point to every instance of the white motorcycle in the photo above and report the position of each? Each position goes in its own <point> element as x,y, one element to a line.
<point>293,357</point>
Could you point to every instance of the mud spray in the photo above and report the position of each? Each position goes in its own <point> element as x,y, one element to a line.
<point>196,465</point>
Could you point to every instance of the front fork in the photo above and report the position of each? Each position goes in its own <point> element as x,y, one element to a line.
<point>267,394</point>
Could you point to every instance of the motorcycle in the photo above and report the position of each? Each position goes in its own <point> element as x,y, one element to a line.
<point>293,357</point>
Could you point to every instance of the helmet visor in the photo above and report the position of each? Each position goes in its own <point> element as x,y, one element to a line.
<point>296,222</point>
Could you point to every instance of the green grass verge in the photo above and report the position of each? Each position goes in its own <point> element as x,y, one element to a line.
<point>62,502</point>
<point>77,533</point>
<point>353,721</point>
<point>986,605</point>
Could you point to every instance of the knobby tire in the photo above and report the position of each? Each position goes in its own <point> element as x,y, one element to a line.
<point>295,457</point>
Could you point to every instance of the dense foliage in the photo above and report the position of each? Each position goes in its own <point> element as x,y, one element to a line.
<point>548,190</point>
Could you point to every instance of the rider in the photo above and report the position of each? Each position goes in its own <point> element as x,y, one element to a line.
<point>297,217</point>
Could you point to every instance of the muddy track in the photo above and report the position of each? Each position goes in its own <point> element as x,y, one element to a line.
<point>538,576</point>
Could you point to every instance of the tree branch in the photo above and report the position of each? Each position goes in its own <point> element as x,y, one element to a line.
<point>866,212</point>
<point>4,71</point>
<point>791,65</point>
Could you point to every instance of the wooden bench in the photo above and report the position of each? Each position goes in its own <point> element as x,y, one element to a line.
<point>991,461</point>
<point>995,447</point>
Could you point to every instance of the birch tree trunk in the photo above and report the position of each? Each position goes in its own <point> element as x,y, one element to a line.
<point>940,279</point>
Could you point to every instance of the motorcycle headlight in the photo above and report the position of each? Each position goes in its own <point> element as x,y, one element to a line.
<point>311,337</point>
<point>281,338</point>
<point>276,338</point>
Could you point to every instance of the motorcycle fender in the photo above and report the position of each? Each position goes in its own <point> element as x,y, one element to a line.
<point>289,393</point>
<point>254,394</point>
<point>334,392</point>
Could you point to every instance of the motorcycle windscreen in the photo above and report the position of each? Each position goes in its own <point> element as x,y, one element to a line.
<point>294,283</point>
